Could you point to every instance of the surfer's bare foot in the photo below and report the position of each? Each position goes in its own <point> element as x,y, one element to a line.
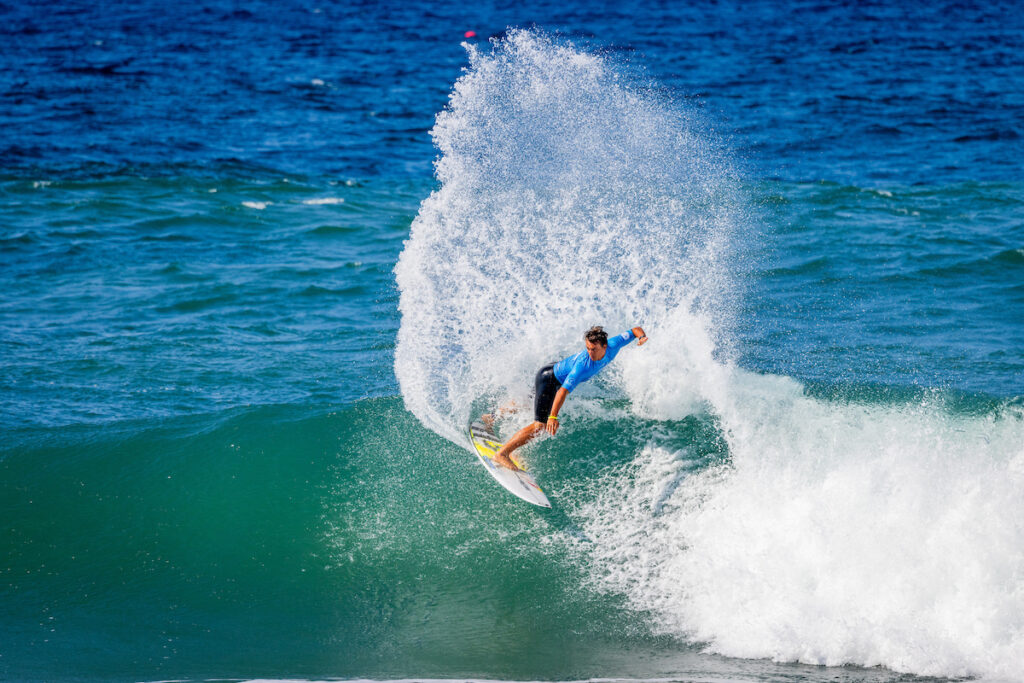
<point>488,420</point>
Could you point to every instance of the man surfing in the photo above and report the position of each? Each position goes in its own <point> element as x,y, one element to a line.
<point>555,381</point>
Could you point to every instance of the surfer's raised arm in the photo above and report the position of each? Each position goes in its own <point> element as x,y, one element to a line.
<point>556,381</point>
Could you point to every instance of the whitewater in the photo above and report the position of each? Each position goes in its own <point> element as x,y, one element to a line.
<point>834,529</point>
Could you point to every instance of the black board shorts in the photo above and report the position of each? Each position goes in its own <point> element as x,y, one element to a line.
<point>547,386</point>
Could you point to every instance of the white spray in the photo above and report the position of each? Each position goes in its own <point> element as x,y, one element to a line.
<point>567,199</point>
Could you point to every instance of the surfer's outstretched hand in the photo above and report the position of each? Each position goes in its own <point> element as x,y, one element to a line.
<point>641,336</point>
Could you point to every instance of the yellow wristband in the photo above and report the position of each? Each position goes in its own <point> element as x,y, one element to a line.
<point>552,417</point>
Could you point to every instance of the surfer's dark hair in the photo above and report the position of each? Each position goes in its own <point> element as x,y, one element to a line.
<point>596,335</point>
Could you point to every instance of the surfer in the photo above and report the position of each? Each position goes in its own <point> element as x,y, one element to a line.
<point>556,380</point>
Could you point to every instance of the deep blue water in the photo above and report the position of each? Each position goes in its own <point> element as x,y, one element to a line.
<point>210,469</point>
<point>802,90</point>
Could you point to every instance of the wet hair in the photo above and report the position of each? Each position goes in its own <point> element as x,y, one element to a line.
<point>596,335</point>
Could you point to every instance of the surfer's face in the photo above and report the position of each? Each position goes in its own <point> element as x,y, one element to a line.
<point>596,351</point>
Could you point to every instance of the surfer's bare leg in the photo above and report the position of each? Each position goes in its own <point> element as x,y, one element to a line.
<point>518,439</point>
<point>508,408</point>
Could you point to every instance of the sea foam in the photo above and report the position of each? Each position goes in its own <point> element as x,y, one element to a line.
<point>838,533</point>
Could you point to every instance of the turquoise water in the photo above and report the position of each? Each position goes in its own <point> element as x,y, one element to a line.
<point>247,314</point>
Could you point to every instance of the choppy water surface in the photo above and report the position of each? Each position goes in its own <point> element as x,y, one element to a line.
<point>250,301</point>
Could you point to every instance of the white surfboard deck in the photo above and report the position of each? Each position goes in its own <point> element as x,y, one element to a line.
<point>520,484</point>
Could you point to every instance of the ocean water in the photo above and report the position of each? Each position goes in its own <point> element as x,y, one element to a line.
<point>260,264</point>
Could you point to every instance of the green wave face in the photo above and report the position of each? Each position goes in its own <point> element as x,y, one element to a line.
<point>266,542</point>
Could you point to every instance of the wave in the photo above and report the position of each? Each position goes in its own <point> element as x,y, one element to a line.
<point>784,525</point>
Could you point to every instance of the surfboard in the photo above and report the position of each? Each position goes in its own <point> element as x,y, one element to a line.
<point>520,484</point>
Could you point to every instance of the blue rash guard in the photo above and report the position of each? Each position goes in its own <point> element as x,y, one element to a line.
<point>576,369</point>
